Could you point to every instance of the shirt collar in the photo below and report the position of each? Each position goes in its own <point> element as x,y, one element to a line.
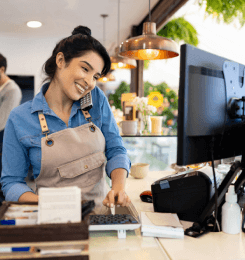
<point>39,102</point>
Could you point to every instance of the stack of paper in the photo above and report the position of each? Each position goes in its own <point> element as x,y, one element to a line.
<point>59,205</point>
<point>156,224</point>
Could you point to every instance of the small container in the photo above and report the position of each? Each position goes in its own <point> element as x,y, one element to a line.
<point>139,170</point>
<point>231,213</point>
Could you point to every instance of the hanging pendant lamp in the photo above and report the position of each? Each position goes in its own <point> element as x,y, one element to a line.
<point>149,46</point>
<point>108,76</point>
<point>118,62</point>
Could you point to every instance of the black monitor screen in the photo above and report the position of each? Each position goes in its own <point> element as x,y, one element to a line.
<point>211,113</point>
<point>26,84</point>
<point>204,124</point>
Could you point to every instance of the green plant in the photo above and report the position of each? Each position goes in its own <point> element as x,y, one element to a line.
<point>115,99</point>
<point>170,105</point>
<point>179,29</point>
<point>146,64</point>
<point>226,10</point>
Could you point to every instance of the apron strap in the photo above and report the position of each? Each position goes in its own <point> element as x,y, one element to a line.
<point>43,123</point>
<point>88,117</point>
<point>44,127</point>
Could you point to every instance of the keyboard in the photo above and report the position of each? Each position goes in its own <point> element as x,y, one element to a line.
<point>126,218</point>
<point>112,219</point>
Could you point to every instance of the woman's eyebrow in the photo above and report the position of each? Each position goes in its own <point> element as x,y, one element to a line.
<point>90,66</point>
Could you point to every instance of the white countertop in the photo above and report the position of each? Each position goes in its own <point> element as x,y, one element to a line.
<point>211,246</point>
<point>105,245</point>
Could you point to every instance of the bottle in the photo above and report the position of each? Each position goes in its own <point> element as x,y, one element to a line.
<point>231,213</point>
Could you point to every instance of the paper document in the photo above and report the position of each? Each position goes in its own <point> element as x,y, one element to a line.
<point>161,225</point>
<point>59,205</point>
<point>164,219</point>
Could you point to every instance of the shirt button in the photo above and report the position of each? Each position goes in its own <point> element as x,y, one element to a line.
<point>86,166</point>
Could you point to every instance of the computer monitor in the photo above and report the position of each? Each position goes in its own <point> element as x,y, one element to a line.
<point>210,121</point>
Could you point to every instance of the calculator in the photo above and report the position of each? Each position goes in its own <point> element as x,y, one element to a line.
<point>126,218</point>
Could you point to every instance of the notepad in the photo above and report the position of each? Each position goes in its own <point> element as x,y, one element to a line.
<point>156,224</point>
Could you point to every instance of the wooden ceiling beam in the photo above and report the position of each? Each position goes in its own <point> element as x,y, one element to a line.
<point>160,14</point>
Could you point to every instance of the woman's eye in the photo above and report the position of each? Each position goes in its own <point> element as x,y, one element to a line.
<point>85,69</point>
<point>96,78</point>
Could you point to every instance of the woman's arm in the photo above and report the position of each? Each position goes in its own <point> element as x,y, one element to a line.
<point>118,163</point>
<point>118,177</point>
<point>15,162</point>
<point>28,197</point>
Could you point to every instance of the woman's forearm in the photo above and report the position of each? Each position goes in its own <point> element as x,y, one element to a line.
<point>28,197</point>
<point>118,178</point>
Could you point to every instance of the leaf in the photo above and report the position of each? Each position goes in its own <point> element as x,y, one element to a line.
<point>180,30</point>
<point>115,99</point>
<point>146,64</point>
<point>225,10</point>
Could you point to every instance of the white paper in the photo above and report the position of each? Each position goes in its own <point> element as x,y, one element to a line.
<point>165,234</point>
<point>59,205</point>
<point>148,228</point>
<point>61,251</point>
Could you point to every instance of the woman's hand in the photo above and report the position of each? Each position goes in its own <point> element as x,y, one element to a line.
<point>116,197</point>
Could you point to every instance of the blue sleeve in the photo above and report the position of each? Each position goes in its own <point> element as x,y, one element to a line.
<point>115,151</point>
<point>15,163</point>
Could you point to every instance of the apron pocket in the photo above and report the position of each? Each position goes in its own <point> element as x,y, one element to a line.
<point>86,170</point>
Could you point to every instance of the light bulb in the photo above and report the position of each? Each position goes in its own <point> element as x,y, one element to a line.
<point>148,54</point>
<point>34,24</point>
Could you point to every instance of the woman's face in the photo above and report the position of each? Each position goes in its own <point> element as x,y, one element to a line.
<point>79,77</point>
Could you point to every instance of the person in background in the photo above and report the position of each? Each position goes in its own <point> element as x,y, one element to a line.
<point>65,145</point>
<point>10,93</point>
<point>10,97</point>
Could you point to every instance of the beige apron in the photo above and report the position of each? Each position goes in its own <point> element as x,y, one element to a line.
<point>74,157</point>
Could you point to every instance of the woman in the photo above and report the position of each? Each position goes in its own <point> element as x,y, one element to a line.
<point>64,144</point>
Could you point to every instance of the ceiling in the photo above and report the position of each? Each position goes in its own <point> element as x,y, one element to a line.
<point>59,17</point>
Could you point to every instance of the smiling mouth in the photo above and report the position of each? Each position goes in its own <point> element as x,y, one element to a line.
<point>80,88</point>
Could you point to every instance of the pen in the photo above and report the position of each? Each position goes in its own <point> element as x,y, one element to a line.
<point>8,222</point>
<point>15,249</point>
<point>113,210</point>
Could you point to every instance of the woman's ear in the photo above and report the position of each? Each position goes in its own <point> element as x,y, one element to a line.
<point>60,60</point>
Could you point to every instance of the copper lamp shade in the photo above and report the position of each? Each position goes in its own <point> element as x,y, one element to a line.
<point>118,62</point>
<point>109,77</point>
<point>149,46</point>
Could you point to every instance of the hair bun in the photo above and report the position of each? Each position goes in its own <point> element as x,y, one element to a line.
<point>82,30</point>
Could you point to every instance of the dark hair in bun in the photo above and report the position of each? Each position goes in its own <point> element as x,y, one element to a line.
<point>81,29</point>
<point>76,45</point>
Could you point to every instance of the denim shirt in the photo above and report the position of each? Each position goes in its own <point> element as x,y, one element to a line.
<point>22,139</point>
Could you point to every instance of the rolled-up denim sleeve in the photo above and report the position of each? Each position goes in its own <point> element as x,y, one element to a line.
<point>15,164</point>
<point>115,151</point>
